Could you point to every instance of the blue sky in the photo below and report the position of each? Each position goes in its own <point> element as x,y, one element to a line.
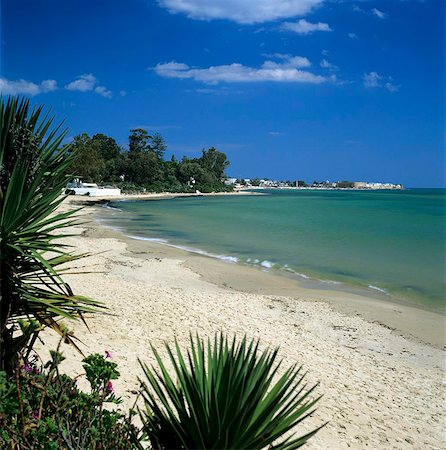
<point>289,89</point>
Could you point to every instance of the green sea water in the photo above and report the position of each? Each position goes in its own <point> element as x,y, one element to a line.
<point>392,242</point>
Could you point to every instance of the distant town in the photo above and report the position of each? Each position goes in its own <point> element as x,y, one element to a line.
<point>243,183</point>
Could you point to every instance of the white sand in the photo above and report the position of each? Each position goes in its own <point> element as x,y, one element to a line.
<point>381,390</point>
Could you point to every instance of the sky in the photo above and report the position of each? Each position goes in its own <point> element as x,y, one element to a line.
<point>288,89</point>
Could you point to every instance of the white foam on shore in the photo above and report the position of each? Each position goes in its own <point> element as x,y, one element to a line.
<point>227,258</point>
<point>141,238</point>
<point>113,208</point>
<point>267,264</point>
<point>330,281</point>
<point>232,259</point>
<point>287,268</point>
<point>253,260</point>
<point>376,288</point>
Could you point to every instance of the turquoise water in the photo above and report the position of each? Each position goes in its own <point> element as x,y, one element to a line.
<point>392,241</point>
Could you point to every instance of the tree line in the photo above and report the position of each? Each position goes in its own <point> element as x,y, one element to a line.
<point>143,167</point>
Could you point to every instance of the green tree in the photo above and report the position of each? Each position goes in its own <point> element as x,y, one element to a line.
<point>34,169</point>
<point>111,155</point>
<point>191,169</point>
<point>158,145</point>
<point>108,147</point>
<point>139,141</point>
<point>214,162</point>
<point>172,182</point>
<point>144,165</point>
<point>88,162</point>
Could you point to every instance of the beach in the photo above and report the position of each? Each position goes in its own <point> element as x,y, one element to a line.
<point>381,366</point>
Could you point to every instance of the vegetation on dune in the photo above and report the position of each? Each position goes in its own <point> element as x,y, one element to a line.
<point>40,408</point>
<point>220,395</point>
<point>142,166</point>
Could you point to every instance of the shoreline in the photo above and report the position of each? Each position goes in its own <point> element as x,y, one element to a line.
<point>407,319</point>
<point>100,200</point>
<point>303,281</point>
<point>380,389</point>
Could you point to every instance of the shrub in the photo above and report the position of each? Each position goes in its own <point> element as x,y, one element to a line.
<point>225,397</point>
<point>43,409</point>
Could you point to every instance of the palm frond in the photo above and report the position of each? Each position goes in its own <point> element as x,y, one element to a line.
<point>34,170</point>
<point>224,395</point>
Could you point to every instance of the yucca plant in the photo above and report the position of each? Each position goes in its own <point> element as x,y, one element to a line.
<point>224,395</point>
<point>34,169</point>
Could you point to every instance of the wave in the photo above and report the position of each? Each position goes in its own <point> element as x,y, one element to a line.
<point>228,258</point>
<point>267,264</point>
<point>330,281</point>
<point>253,261</point>
<point>287,268</point>
<point>110,206</point>
<point>376,288</point>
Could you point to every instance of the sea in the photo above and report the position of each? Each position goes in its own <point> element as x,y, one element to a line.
<point>386,242</point>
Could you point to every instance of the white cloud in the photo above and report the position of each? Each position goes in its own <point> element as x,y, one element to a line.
<point>352,35</point>
<point>102,90</point>
<point>48,85</point>
<point>287,70</point>
<point>206,91</point>
<point>379,14</point>
<point>286,61</point>
<point>305,27</point>
<point>24,87</point>
<point>375,80</point>
<point>328,65</point>
<point>88,82</point>
<point>391,87</point>
<point>83,83</point>
<point>241,11</point>
<point>219,90</point>
<point>372,79</point>
<point>275,133</point>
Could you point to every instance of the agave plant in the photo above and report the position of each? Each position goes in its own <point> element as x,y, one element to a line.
<point>227,396</point>
<point>34,169</point>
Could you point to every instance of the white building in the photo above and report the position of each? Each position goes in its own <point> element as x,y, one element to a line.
<point>77,187</point>
<point>230,181</point>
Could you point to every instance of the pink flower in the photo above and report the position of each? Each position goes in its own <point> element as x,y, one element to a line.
<point>35,415</point>
<point>108,354</point>
<point>109,387</point>
<point>27,368</point>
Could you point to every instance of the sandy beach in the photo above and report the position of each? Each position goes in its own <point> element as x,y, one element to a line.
<point>381,366</point>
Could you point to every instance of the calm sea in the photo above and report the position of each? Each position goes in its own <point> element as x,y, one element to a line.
<point>388,241</point>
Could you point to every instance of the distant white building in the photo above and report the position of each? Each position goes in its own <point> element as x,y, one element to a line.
<point>366,185</point>
<point>268,183</point>
<point>230,181</point>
